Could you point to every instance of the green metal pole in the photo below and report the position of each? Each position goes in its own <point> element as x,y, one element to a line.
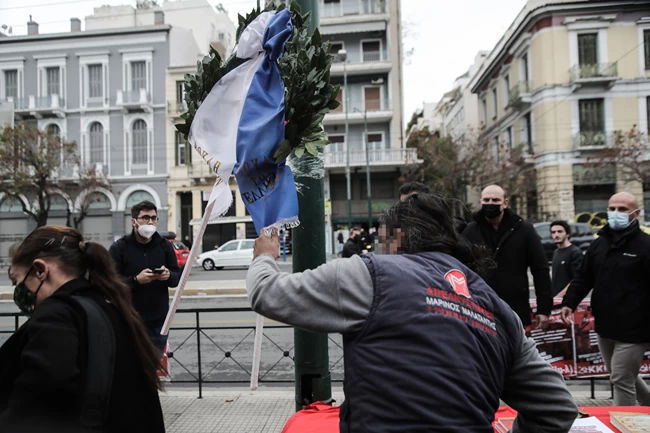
<point>311,357</point>
<point>365,133</point>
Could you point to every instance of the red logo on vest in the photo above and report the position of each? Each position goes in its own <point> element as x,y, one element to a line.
<point>458,282</point>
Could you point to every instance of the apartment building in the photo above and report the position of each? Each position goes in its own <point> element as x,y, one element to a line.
<point>370,33</point>
<point>563,78</point>
<point>105,88</point>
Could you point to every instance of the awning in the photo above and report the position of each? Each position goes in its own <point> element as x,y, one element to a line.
<point>338,29</point>
<point>224,220</point>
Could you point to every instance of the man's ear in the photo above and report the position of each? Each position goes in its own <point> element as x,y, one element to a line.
<point>505,202</point>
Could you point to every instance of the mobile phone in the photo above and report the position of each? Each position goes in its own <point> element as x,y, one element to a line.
<point>158,271</point>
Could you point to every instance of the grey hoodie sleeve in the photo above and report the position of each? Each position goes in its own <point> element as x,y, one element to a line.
<point>538,393</point>
<point>335,297</point>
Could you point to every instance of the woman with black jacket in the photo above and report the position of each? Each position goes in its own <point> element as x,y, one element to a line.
<point>43,366</point>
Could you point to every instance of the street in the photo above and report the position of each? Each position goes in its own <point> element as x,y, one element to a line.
<point>197,274</point>
<point>226,343</point>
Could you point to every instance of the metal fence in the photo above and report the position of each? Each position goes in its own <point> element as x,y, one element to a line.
<point>232,363</point>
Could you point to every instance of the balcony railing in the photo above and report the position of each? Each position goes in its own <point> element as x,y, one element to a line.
<point>49,102</point>
<point>19,103</point>
<point>592,139</point>
<point>368,105</point>
<point>596,72</point>
<point>371,56</point>
<point>398,156</point>
<point>519,91</point>
<point>364,7</point>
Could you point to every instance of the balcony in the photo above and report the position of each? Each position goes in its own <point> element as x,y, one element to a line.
<point>343,8</point>
<point>397,157</point>
<point>368,62</point>
<point>377,111</point>
<point>39,106</point>
<point>366,15</point>
<point>175,109</point>
<point>601,74</point>
<point>520,95</point>
<point>592,140</point>
<point>134,100</point>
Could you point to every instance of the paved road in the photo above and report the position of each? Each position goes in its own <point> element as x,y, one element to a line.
<point>226,353</point>
<point>197,274</point>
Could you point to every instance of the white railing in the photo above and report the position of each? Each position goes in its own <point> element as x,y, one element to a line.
<point>368,105</point>
<point>398,156</point>
<point>352,7</point>
<point>140,96</point>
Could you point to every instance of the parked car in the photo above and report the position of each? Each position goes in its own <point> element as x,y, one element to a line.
<point>582,236</point>
<point>182,252</point>
<point>233,253</point>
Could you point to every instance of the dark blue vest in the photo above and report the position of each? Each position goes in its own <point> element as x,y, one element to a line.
<point>429,359</point>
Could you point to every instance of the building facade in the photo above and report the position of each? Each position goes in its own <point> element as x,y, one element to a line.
<point>103,89</point>
<point>370,33</point>
<point>563,79</point>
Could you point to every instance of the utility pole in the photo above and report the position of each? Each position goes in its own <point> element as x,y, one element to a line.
<point>365,135</point>
<point>343,56</point>
<point>311,356</point>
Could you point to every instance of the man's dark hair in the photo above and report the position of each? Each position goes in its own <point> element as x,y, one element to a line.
<point>564,224</point>
<point>414,188</point>
<point>427,225</point>
<point>143,205</point>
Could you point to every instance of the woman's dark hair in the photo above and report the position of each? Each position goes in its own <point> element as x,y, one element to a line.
<point>414,187</point>
<point>427,225</point>
<point>91,260</point>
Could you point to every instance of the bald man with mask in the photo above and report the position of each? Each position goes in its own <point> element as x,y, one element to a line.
<point>617,267</point>
<point>515,247</point>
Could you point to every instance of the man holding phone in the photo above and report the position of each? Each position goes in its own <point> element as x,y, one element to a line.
<point>147,264</point>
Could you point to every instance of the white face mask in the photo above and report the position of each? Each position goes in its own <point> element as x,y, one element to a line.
<point>147,230</point>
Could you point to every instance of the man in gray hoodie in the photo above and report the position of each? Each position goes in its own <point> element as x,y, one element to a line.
<point>428,346</point>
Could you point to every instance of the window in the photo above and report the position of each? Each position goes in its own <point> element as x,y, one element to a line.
<point>646,42</point>
<point>53,83</point>
<point>247,245</point>
<point>334,51</point>
<point>592,122</point>
<point>11,84</point>
<point>331,1</point>
<point>232,246</point>
<point>588,49</point>
<point>372,98</point>
<point>180,92</point>
<point>139,142</point>
<point>485,114</point>
<point>509,138</point>
<point>495,103</point>
<point>496,148</point>
<point>96,143</point>
<point>95,81</point>
<point>371,51</point>
<point>375,141</point>
<point>183,150</point>
<point>647,104</point>
<point>337,143</point>
<point>138,76</point>
<point>527,131</point>
<point>54,130</point>
<point>506,81</point>
<point>524,65</point>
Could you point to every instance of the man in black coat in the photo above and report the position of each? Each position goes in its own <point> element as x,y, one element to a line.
<point>617,267</point>
<point>515,247</point>
<point>352,246</point>
<point>147,264</point>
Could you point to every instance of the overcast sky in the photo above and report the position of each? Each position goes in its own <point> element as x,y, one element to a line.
<point>445,35</point>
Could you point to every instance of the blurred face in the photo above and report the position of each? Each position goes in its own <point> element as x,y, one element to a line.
<point>559,234</point>
<point>390,244</point>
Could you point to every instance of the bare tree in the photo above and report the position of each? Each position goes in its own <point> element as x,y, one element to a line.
<point>32,162</point>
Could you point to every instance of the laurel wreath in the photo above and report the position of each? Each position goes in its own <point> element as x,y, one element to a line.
<point>305,69</point>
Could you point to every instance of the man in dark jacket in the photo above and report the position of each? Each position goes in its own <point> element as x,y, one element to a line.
<point>515,246</point>
<point>428,346</point>
<point>617,267</point>
<point>147,264</point>
<point>352,246</point>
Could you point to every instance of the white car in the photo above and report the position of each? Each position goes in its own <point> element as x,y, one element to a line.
<point>233,253</point>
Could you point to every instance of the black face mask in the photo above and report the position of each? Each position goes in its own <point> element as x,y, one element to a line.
<point>491,210</point>
<point>357,238</point>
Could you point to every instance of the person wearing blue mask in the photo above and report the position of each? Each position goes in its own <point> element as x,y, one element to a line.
<point>617,267</point>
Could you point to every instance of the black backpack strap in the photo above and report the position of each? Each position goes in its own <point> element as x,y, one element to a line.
<point>101,363</point>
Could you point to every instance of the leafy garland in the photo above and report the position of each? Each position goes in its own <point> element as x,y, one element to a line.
<point>305,69</point>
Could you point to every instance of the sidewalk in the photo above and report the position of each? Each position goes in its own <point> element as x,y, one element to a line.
<point>239,410</point>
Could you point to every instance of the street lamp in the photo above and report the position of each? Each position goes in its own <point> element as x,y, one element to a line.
<point>343,56</point>
<point>365,134</point>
